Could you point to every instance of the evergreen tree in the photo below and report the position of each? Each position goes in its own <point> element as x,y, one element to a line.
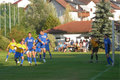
<point>102,23</point>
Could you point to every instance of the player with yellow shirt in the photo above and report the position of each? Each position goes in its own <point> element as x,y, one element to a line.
<point>20,50</point>
<point>94,44</point>
<point>11,48</point>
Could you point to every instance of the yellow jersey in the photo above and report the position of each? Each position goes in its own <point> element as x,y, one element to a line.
<point>20,48</point>
<point>12,45</point>
<point>94,42</point>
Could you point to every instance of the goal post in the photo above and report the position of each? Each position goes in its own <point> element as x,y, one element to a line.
<point>113,42</point>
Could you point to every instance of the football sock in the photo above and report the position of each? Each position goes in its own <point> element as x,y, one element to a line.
<point>22,61</point>
<point>34,60</point>
<point>43,55</point>
<point>96,57</point>
<point>40,56</point>
<point>7,56</point>
<point>110,59</point>
<point>30,60</point>
<point>91,57</point>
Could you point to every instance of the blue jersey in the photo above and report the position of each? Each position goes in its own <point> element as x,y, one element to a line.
<point>43,37</point>
<point>47,45</point>
<point>29,42</point>
<point>107,43</point>
<point>38,44</point>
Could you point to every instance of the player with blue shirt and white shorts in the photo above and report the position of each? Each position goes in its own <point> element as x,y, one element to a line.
<point>29,42</point>
<point>43,40</point>
<point>48,48</point>
<point>107,44</point>
<point>38,47</point>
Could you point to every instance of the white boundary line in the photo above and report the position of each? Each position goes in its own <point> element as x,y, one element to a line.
<point>98,75</point>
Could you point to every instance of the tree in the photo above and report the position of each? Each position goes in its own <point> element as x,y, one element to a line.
<point>67,17</point>
<point>102,24</point>
<point>37,14</point>
<point>51,22</point>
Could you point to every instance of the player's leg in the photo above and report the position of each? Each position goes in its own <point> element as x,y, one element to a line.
<point>92,55</point>
<point>16,57</point>
<point>96,51</point>
<point>108,58</point>
<point>10,51</point>
<point>22,59</point>
<point>50,54</point>
<point>44,53</point>
<point>40,56</point>
<point>30,57</point>
<point>34,58</point>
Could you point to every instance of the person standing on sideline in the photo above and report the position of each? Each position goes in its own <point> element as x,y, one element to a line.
<point>94,45</point>
<point>107,45</point>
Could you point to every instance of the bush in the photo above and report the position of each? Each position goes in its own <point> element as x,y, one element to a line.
<point>52,41</point>
<point>4,42</point>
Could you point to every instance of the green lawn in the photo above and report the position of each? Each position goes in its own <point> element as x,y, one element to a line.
<point>63,66</point>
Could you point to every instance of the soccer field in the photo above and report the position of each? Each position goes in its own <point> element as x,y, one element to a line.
<point>63,66</point>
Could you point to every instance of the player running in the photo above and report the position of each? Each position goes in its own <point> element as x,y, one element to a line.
<point>48,48</point>
<point>20,50</point>
<point>94,44</point>
<point>38,47</point>
<point>11,48</point>
<point>43,40</point>
<point>29,42</point>
<point>107,44</point>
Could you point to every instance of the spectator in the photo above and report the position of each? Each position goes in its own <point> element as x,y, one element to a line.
<point>72,43</point>
<point>84,45</point>
<point>81,46</point>
<point>87,45</point>
<point>76,46</point>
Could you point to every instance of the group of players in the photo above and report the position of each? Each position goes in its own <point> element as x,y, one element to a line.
<point>30,47</point>
<point>95,46</point>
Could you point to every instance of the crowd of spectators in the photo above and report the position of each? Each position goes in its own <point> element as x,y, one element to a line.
<point>71,46</point>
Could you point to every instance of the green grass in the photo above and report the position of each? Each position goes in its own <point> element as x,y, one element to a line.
<point>63,66</point>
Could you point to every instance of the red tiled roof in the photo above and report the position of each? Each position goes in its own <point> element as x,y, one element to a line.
<point>64,4</point>
<point>17,2</point>
<point>115,6</point>
<point>72,27</point>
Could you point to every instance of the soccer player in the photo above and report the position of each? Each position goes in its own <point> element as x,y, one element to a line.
<point>107,44</point>
<point>11,49</point>
<point>47,47</point>
<point>38,47</point>
<point>20,49</point>
<point>94,44</point>
<point>29,42</point>
<point>43,39</point>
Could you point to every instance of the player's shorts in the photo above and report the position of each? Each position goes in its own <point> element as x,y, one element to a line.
<point>47,49</point>
<point>38,50</point>
<point>42,46</point>
<point>11,51</point>
<point>26,52</point>
<point>95,49</point>
<point>107,51</point>
<point>17,54</point>
<point>30,49</point>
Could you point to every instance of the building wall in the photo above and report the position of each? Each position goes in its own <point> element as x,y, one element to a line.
<point>74,16</point>
<point>71,36</point>
<point>60,10</point>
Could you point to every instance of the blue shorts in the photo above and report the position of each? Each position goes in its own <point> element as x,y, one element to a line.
<point>38,50</point>
<point>47,49</point>
<point>107,50</point>
<point>17,54</point>
<point>42,46</point>
<point>11,51</point>
<point>30,49</point>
